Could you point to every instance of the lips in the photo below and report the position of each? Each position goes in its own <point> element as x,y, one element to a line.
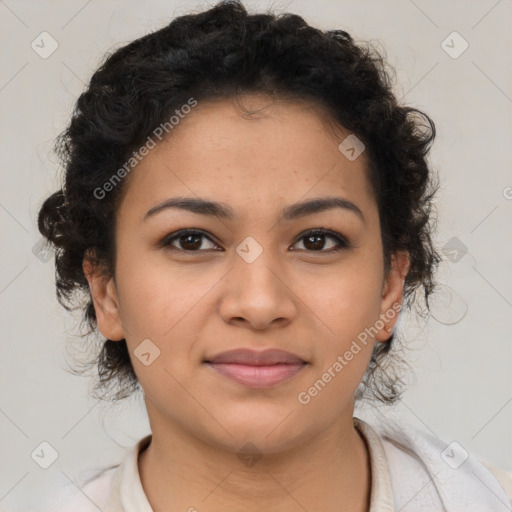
<point>257,369</point>
<point>253,358</point>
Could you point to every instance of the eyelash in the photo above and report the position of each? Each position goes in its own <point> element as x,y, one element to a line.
<point>343,243</point>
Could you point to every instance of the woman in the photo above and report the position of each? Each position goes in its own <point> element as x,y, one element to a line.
<point>248,209</point>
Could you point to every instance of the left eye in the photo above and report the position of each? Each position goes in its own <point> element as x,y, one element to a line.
<point>314,241</point>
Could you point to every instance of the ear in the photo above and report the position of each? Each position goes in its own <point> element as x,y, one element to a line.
<point>105,299</point>
<point>392,294</point>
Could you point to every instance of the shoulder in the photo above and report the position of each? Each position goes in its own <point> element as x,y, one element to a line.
<point>89,494</point>
<point>102,489</point>
<point>424,467</point>
<point>504,477</point>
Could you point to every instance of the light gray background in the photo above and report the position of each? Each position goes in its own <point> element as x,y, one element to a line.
<point>462,360</point>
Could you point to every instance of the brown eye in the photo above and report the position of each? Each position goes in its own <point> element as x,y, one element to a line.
<point>187,240</point>
<point>315,241</point>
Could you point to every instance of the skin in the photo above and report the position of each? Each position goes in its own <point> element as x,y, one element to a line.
<point>296,295</point>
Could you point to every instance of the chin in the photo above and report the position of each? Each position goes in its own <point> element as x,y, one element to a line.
<point>266,434</point>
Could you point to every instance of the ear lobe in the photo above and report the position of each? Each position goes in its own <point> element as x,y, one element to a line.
<point>392,293</point>
<point>105,300</point>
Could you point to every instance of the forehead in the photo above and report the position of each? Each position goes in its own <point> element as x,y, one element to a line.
<point>253,150</point>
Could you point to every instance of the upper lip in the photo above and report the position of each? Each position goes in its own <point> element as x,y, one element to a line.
<point>256,358</point>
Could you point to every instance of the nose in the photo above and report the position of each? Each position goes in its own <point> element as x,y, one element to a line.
<point>258,295</point>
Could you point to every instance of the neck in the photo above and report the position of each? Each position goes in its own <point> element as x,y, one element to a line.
<point>330,471</point>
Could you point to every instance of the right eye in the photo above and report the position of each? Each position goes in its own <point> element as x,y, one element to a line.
<point>190,240</point>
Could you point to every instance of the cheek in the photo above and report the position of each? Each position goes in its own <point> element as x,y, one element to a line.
<point>346,310</point>
<point>346,307</point>
<point>163,311</point>
<point>346,300</point>
<point>154,295</point>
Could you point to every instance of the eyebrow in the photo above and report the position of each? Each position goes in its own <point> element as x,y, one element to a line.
<point>223,211</point>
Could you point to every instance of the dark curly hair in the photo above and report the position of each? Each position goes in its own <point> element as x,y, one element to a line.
<point>221,53</point>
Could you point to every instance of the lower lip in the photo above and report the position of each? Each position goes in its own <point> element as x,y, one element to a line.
<point>258,376</point>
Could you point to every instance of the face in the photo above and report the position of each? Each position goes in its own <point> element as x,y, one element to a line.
<point>249,276</point>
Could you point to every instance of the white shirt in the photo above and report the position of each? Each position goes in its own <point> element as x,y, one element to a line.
<point>411,471</point>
